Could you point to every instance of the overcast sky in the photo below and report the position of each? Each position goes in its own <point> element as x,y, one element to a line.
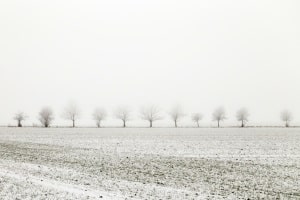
<point>199,54</point>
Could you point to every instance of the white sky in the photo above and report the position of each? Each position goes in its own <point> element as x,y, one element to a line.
<point>200,54</point>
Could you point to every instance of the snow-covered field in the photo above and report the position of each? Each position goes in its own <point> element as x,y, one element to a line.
<point>153,163</point>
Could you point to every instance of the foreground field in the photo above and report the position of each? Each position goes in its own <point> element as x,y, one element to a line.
<point>149,163</point>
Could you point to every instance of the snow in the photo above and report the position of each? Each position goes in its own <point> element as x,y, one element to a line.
<point>137,163</point>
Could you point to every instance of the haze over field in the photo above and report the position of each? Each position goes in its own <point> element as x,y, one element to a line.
<point>200,54</point>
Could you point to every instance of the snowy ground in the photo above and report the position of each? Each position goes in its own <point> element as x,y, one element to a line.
<point>149,163</point>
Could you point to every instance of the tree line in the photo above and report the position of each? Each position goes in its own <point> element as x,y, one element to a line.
<point>149,113</point>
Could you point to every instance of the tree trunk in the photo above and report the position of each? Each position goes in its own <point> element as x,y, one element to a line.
<point>124,123</point>
<point>98,124</point>
<point>218,123</point>
<point>73,123</point>
<point>198,124</point>
<point>175,123</point>
<point>150,124</point>
<point>286,124</point>
<point>19,123</point>
<point>243,125</point>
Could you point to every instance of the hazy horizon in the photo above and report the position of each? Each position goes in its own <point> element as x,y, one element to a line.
<point>199,54</point>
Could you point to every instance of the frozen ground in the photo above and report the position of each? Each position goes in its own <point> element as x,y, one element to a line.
<point>149,163</point>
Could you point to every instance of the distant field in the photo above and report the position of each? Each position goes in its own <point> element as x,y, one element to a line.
<point>139,163</point>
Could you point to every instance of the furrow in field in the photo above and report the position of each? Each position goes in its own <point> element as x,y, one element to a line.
<point>80,192</point>
<point>152,175</point>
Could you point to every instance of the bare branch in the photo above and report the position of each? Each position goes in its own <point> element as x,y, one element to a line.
<point>219,115</point>
<point>287,117</point>
<point>196,117</point>
<point>72,113</point>
<point>242,115</point>
<point>99,115</point>
<point>46,116</point>
<point>176,115</point>
<point>151,114</point>
<point>20,116</point>
<point>123,113</point>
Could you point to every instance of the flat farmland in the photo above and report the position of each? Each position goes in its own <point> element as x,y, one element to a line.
<point>144,163</point>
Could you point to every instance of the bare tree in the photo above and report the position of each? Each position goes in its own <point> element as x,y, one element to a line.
<point>151,114</point>
<point>46,116</point>
<point>196,117</point>
<point>219,115</point>
<point>176,114</point>
<point>72,113</point>
<point>123,113</point>
<point>20,116</point>
<point>99,115</point>
<point>287,117</point>
<point>242,115</point>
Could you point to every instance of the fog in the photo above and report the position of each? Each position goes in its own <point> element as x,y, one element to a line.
<point>197,54</point>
